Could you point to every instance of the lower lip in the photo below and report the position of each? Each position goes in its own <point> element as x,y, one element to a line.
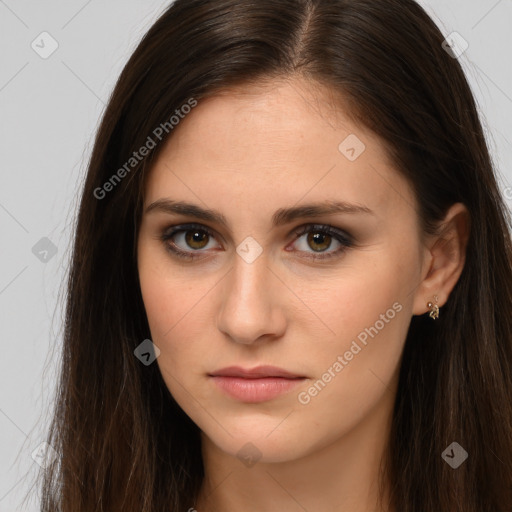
<point>256,390</point>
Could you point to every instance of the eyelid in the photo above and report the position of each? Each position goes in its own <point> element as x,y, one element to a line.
<point>325,228</point>
<point>172,230</point>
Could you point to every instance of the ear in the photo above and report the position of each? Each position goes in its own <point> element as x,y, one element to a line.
<point>444,258</point>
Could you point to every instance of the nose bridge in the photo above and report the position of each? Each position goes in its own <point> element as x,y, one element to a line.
<point>250,271</point>
<point>249,308</point>
<point>249,276</point>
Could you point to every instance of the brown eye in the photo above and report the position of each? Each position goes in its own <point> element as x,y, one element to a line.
<point>196,238</point>
<point>188,241</point>
<point>185,241</point>
<point>319,239</point>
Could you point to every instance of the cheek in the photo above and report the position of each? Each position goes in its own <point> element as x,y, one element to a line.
<point>169,315</point>
<point>169,295</point>
<point>172,307</point>
<point>365,315</point>
<point>175,307</point>
<point>353,300</point>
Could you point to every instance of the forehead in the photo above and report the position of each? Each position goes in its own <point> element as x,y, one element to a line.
<point>279,115</point>
<point>284,140</point>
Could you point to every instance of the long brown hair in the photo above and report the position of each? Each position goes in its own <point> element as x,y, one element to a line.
<point>123,442</point>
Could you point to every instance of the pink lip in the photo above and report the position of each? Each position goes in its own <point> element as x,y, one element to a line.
<point>257,384</point>
<point>255,390</point>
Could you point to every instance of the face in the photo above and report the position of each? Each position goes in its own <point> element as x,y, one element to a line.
<point>326,295</point>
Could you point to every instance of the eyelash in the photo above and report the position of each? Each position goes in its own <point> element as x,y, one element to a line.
<point>345,240</point>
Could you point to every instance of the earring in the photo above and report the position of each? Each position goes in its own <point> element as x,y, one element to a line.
<point>434,309</point>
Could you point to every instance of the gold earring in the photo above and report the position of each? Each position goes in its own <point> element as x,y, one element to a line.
<point>434,309</point>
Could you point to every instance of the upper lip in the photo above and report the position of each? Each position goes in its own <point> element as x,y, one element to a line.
<point>254,373</point>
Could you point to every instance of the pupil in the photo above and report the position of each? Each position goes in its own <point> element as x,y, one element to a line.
<point>195,238</point>
<point>317,238</point>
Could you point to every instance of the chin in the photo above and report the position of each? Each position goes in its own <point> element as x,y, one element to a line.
<point>263,442</point>
<point>251,451</point>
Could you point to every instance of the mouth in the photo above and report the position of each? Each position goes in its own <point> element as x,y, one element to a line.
<point>255,373</point>
<point>255,385</point>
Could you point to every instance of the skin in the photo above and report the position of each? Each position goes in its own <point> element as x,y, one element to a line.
<point>247,153</point>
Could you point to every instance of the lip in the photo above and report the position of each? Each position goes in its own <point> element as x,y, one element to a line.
<point>255,385</point>
<point>255,373</point>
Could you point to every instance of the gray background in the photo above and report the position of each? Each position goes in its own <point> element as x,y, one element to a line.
<point>49,111</point>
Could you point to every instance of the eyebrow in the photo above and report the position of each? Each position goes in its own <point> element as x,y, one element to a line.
<point>280,217</point>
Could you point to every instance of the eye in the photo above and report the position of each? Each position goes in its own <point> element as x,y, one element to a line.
<point>183,241</point>
<point>321,237</point>
<point>190,236</point>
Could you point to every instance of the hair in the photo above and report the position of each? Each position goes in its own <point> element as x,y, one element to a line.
<point>123,442</point>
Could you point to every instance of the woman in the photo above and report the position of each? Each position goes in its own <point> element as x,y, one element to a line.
<point>291,279</point>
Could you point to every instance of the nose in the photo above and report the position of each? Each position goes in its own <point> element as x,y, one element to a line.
<point>251,307</point>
